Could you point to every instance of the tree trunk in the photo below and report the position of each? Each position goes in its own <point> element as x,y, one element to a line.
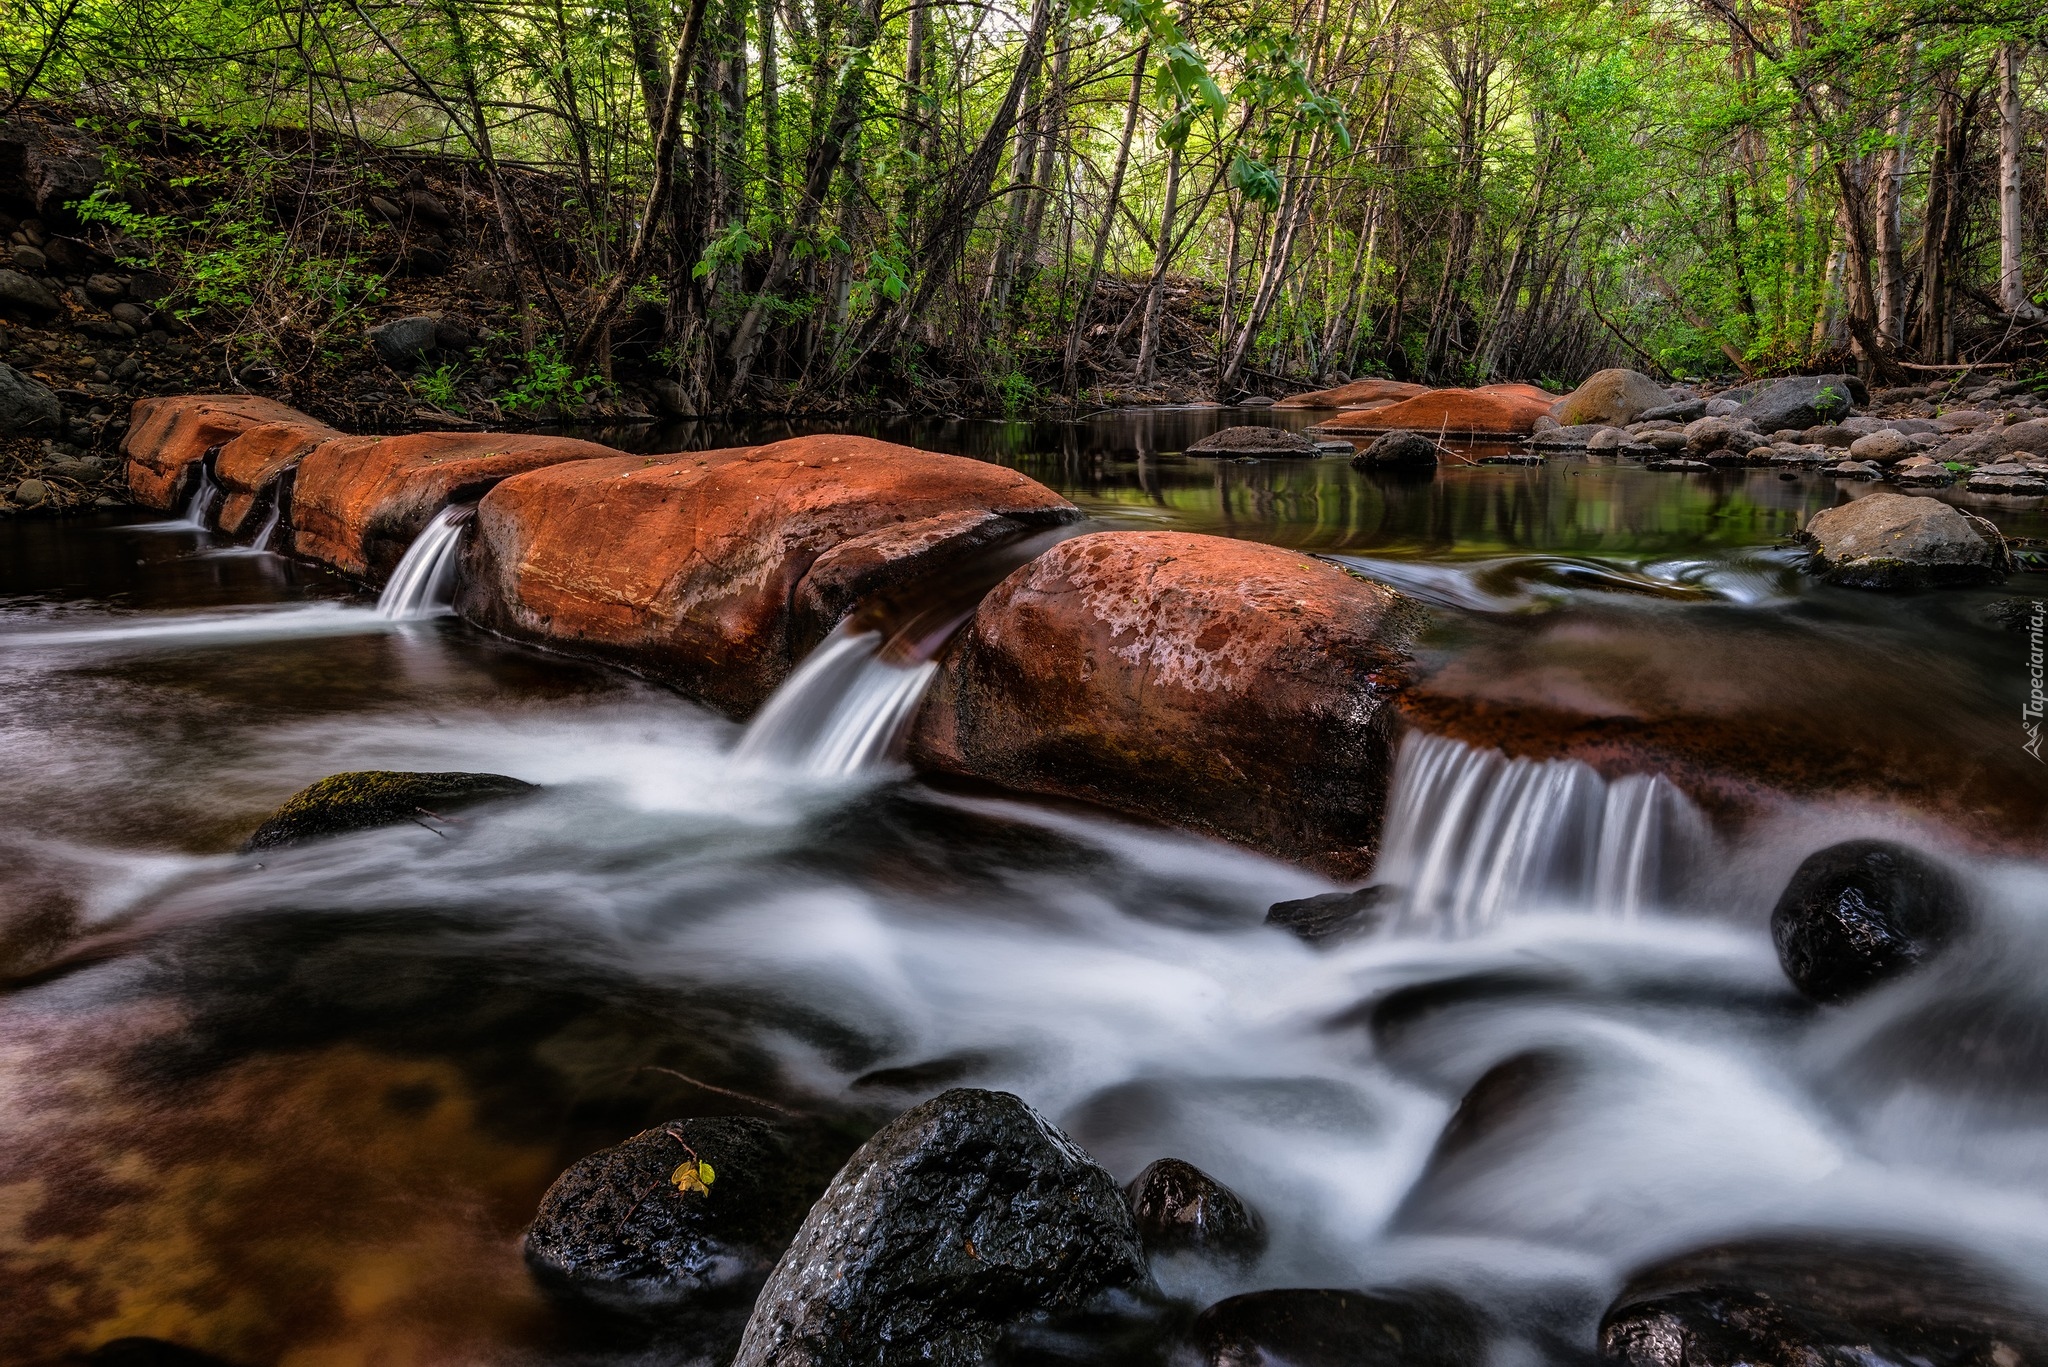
<point>1113,197</point>
<point>1155,288</point>
<point>1891,255</point>
<point>771,108</point>
<point>2012,285</point>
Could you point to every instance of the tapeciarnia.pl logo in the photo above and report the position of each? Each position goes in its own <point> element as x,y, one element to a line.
<point>2030,713</point>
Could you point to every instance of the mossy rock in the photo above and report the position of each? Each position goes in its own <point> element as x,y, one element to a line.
<point>367,798</point>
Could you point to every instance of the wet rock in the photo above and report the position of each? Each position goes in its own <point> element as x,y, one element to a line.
<point>1677,466</point>
<point>1920,472</point>
<point>137,1351</point>
<point>1254,441</point>
<point>167,437</point>
<point>698,577</point>
<point>635,1228</point>
<point>1204,681</point>
<point>404,342</point>
<point>1314,1328</point>
<point>1181,1209</point>
<point>30,493</point>
<point>253,461</point>
<point>27,408</point>
<point>1855,469</point>
<point>1483,1136</point>
<point>1707,434</point>
<point>1333,916</point>
<point>1894,541</point>
<point>1453,414</point>
<point>1861,913</point>
<point>963,1215</point>
<point>29,259</point>
<point>1821,1301</point>
<point>1614,397</point>
<point>1398,448</point>
<point>1356,393</point>
<point>2006,478</point>
<point>25,297</point>
<point>1530,457</point>
<point>1554,437</point>
<point>359,502</point>
<point>364,799</point>
<point>1801,401</point>
<point>1607,440</point>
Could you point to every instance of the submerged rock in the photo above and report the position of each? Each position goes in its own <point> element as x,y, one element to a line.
<point>1254,441</point>
<point>639,1228</point>
<point>963,1215</point>
<point>1398,448</point>
<point>1614,397</point>
<point>1329,916</point>
<point>1821,1301</point>
<point>367,798</point>
<point>1314,1328</point>
<point>1894,541</point>
<point>1181,1209</point>
<point>1861,912</point>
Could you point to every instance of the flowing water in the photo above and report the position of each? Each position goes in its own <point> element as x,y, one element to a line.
<point>297,1108</point>
<point>423,585</point>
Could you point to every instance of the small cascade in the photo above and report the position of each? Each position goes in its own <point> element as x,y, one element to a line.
<point>423,584</point>
<point>843,711</point>
<point>199,507</point>
<point>1473,836</point>
<point>268,529</point>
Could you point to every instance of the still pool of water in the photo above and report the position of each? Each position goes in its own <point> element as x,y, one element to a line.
<point>298,1108</point>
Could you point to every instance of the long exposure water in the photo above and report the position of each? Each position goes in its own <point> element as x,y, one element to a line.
<point>298,1107</point>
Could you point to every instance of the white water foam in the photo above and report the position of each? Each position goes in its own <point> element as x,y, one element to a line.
<point>1473,836</point>
<point>423,585</point>
<point>842,712</point>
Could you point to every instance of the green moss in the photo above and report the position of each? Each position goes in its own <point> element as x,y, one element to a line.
<point>367,798</point>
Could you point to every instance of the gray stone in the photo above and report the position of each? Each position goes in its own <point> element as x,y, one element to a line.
<point>406,341</point>
<point>1677,466</point>
<point>1254,441</point>
<point>1886,448</point>
<point>1722,408</point>
<point>30,493</point>
<point>1684,410</point>
<point>960,1217</point>
<point>1707,434</point>
<point>1607,439</point>
<point>1399,448</point>
<point>26,297</point>
<point>106,290</point>
<point>1558,438</point>
<point>1893,541</point>
<point>26,407</point>
<point>1801,401</point>
<point>30,258</point>
<point>1856,469</point>
<point>1612,397</point>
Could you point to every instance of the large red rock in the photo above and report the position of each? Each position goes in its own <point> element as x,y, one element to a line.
<point>1495,412</point>
<point>1239,689</point>
<point>716,570</point>
<point>252,462</point>
<point>358,502</point>
<point>1357,394</point>
<point>167,436</point>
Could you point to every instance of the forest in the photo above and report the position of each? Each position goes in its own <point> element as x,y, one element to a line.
<point>999,207</point>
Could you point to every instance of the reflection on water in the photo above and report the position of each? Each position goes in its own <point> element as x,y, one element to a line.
<point>296,1108</point>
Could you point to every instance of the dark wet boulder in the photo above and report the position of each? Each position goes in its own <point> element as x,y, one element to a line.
<point>1330,916</point>
<point>367,798</point>
<point>692,1212</point>
<point>1802,401</point>
<point>1398,448</point>
<point>1181,1209</point>
<point>1862,912</point>
<point>24,296</point>
<point>1518,1095</point>
<point>1821,1301</point>
<point>1904,541</point>
<point>1254,441</point>
<point>964,1214</point>
<point>1315,1328</point>
<point>26,407</point>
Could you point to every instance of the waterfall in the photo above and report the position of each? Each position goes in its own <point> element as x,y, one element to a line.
<point>204,495</point>
<point>424,582</point>
<point>1473,836</point>
<point>269,528</point>
<point>843,711</point>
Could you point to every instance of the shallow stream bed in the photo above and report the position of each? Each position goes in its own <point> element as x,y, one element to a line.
<point>297,1108</point>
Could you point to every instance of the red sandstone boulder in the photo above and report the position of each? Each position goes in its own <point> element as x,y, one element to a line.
<point>358,502</point>
<point>716,570</point>
<point>251,462</point>
<point>1236,688</point>
<point>167,436</point>
<point>1496,411</point>
<point>1357,394</point>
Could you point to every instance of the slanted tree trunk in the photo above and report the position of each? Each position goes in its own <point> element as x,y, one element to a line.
<point>1155,288</point>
